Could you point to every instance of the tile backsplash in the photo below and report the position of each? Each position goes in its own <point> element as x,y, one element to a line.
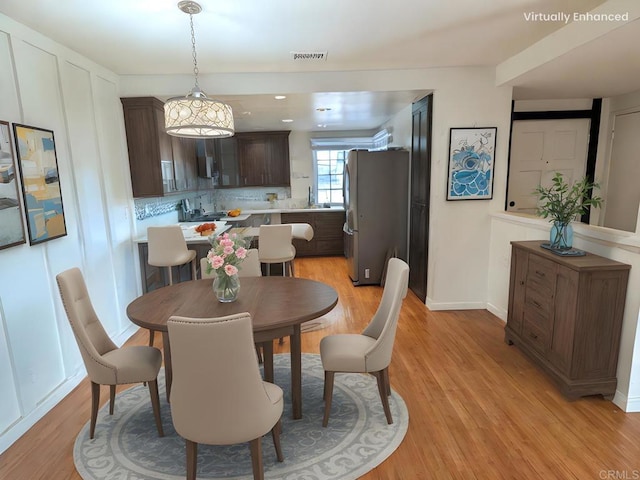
<point>220,200</point>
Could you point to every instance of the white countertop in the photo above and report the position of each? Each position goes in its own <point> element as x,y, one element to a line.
<point>190,234</point>
<point>291,210</point>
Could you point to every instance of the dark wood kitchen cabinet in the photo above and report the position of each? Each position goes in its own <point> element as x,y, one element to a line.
<point>159,163</point>
<point>327,238</point>
<point>248,159</point>
<point>263,159</point>
<point>566,314</point>
<point>184,163</point>
<point>218,160</point>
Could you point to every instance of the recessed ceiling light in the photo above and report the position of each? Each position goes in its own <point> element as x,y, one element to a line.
<point>246,113</point>
<point>322,125</point>
<point>280,97</point>
<point>323,109</point>
<point>287,120</point>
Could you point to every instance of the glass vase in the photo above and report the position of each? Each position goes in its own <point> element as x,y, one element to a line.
<point>226,287</point>
<point>561,235</point>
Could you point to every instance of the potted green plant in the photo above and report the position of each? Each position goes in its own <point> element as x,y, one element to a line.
<point>563,203</point>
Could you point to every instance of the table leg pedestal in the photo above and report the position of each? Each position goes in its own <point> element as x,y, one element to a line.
<point>267,358</point>
<point>296,372</point>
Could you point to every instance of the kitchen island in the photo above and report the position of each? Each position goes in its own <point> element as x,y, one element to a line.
<point>327,239</point>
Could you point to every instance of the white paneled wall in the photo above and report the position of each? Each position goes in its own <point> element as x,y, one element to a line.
<point>77,100</point>
<point>9,400</point>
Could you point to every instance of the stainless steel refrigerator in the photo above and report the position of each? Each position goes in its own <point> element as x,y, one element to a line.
<point>376,197</point>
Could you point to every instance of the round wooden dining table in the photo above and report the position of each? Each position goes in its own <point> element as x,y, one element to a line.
<point>277,305</point>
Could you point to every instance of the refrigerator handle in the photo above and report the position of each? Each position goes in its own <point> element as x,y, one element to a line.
<point>348,225</point>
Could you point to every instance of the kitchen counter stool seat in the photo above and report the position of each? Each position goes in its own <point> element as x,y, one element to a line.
<point>168,248</point>
<point>274,246</point>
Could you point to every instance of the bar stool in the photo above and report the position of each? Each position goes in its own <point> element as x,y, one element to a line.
<point>168,248</point>
<point>274,246</point>
<point>302,231</point>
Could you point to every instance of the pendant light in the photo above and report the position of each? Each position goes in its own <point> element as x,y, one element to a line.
<point>195,115</point>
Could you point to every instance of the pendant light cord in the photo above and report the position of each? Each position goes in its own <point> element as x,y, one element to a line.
<point>193,46</point>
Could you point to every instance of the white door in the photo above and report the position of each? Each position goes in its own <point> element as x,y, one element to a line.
<point>623,194</point>
<point>539,148</point>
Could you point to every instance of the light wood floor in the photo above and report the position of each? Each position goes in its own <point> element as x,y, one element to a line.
<point>478,408</point>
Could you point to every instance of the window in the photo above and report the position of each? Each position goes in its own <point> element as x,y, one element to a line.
<point>329,170</point>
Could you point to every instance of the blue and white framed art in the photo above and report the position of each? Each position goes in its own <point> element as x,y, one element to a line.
<point>471,159</point>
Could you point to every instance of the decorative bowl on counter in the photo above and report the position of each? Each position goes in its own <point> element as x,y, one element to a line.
<point>205,229</point>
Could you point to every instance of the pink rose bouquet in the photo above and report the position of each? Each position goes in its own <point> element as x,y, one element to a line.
<point>225,256</point>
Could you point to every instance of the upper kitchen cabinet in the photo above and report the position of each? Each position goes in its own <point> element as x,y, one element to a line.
<point>248,159</point>
<point>159,163</point>
<point>184,163</point>
<point>218,160</point>
<point>263,159</point>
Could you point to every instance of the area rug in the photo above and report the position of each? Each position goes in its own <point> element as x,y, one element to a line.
<point>127,447</point>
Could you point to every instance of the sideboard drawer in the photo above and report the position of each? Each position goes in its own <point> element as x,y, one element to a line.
<point>537,337</point>
<point>541,275</point>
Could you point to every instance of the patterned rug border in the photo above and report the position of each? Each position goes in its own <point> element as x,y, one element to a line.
<point>357,432</point>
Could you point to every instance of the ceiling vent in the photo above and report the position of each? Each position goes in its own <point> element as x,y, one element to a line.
<point>309,56</point>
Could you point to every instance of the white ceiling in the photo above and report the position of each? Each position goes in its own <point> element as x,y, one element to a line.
<point>152,37</point>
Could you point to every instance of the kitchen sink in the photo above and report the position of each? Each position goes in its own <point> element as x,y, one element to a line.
<point>207,217</point>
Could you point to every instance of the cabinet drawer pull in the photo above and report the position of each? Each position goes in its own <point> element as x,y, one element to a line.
<point>537,304</point>
<point>539,273</point>
<point>533,335</point>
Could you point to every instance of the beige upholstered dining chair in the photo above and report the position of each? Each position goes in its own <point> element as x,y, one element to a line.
<point>106,364</point>
<point>168,248</point>
<point>250,266</point>
<point>218,396</point>
<point>370,351</point>
<point>274,246</point>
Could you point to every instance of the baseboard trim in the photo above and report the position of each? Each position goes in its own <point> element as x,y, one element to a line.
<point>498,312</point>
<point>431,305</point>
<point>628,405</point>
<point>23,424</point>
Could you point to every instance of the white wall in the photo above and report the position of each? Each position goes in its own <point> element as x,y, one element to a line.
<point>301,158</point>
<point>400,128</point>
<point>460,230</point>
<point>45,85</point>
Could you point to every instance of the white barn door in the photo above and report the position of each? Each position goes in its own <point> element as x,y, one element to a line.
<point>539,148</point>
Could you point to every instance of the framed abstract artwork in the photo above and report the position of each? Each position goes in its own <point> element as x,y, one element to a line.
<point>38,164</point>
<point>12,231</point>
<point>471,159</point>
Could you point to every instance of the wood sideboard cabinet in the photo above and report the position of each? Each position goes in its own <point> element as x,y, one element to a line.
<point>565,313</point>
